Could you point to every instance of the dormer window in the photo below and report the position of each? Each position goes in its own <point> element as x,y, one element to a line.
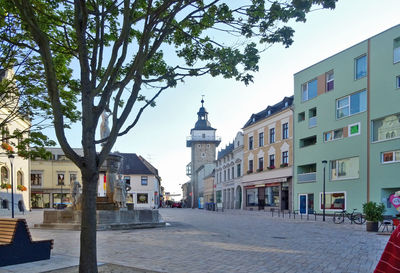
<point>269,112</point>
<point>286,104</point>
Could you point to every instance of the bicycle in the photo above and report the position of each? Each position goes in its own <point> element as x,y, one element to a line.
<point>356,217</point>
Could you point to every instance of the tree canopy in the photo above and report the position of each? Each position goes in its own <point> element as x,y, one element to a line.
<point>82,58</point>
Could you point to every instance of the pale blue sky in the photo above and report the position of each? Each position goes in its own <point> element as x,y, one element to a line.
<point>160,135</point>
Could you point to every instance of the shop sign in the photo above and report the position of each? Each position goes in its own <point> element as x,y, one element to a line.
<point>395,200</point>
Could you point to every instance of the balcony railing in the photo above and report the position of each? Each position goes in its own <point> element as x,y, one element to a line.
<point>206,138</point>
<point>306,177</point>
<point>312,122</point>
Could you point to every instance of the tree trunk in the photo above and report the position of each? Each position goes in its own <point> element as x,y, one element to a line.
<point>88,254</point>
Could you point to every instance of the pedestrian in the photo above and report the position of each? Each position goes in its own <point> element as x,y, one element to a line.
<point>390,259</point>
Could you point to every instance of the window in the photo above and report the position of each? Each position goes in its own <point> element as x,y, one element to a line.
<point>20,178</point>
<point>4,175</point>
<point>127,180</point>
<point>309,90</point>
<point>333,135</point>
<point>306,173</point>
<point>142,198</point>
<point>312,113</point>
<point>392,156</point>
<point>285,131</point>
<point>224,175</point>
<point>308,141</point>
<point>272,196</point>
<point>386,128</point>
<point>233,172</point>
<point>333,200</point>
<point>60,179</point>
<point>260,163</point>
<point>229,174</point>
<point>144,180</point>
<point>351,105</point>
<point>361,67</point>
<point>251,143</point>
<point>354,129</point>
<point>250,166</point>
<point>272,135</point>
<point>285,158</point>
<point>203,135</point>
<point>345,168</point>
<point>72,177</point>
<point>261,139</point>
<point>398,82</point>
<point>329,81</point>
<point>272,161</point>
<point>396,50</point>
<point>238,170</point>
<point>36,179</point>
<point>302,116</point>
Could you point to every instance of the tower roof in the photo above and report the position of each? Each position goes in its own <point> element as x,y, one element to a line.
<point>202,122</point>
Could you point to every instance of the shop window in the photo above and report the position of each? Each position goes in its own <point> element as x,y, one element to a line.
<point>361,67</point>
<point>390,157</point>
<point>40,200</point>
<point>329,81</point>
<point>386,128</point>
<point>309,90</point>
<point>347,168</point>
<point>142,198</point>
<point>351,105</point>
<point>272,196</point>
<point>252,197</point>
<point>57,201</point>
<point>354,129</point>
<point>333,201</point>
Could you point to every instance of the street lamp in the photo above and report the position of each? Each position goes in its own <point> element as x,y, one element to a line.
<point>323,189</point>
<point>11,158</point>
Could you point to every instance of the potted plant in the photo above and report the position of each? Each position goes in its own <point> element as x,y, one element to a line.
<point>373,214</point>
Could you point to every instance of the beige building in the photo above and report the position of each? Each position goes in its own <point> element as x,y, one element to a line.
<point>209,188</point>
<point>268,158</point>
<point>12,171</point>
<point>51,179</point>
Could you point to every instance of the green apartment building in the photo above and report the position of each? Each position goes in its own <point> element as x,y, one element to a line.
<point>347,113</point>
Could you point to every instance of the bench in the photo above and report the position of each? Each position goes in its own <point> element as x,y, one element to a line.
<point>16,245</point>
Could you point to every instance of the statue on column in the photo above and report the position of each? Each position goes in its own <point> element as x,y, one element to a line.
<point>120,193</point>
<point>75,191</point>
<point>104,126</point>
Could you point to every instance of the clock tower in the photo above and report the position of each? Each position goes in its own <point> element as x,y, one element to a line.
<point>203,144</point>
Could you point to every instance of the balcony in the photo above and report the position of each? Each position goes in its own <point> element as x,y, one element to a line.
<point>306,177</point>
<point>208,139</point>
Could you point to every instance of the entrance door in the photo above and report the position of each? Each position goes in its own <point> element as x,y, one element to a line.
<point>303,203</point>
<point>285,199</point>
<point>261,198</point>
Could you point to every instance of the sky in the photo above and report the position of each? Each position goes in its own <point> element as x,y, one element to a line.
<point>160,136</point>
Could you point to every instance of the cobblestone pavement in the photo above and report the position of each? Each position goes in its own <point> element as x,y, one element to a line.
<point>231,241</point>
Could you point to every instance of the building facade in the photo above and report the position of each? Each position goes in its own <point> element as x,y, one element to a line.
<point>203,143</point>
<point>51,179</point>
<point>229,171</point>
<point>268,157</point>
<point>347,123</point>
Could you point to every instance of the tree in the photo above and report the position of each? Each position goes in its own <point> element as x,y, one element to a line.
<point>125,53</point>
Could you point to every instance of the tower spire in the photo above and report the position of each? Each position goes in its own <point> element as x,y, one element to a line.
<point>202,100</point>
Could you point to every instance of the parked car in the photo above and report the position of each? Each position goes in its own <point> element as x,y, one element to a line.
<point>177,205</point>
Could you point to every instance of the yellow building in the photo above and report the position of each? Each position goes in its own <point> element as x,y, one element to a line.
<point>51,179</point>
<point>209,188</point>
<point>14,170</point>
<point>268,158</point>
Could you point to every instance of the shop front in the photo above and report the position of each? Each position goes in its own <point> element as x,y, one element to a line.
<point>40,200</point>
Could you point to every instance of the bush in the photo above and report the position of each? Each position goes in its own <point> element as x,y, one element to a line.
<point>373,211</point>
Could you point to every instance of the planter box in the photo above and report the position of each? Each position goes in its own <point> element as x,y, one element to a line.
<point>372,226</point>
